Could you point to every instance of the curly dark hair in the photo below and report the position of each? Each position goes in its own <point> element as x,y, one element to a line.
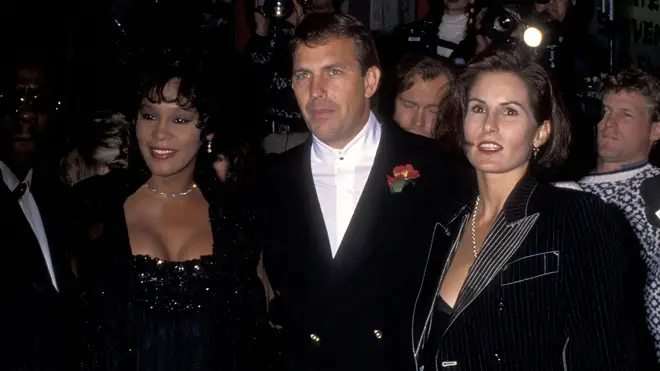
<point>201,88</point>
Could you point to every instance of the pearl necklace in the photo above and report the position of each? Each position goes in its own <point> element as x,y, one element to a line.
<point>171,194</point>
<point>474,228</point>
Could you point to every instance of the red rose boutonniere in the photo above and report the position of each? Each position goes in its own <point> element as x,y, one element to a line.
<point>402,176</point>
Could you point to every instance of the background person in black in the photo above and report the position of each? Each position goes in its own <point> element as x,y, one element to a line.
<point>277,114</point>
<point>578,56</point>
<point>34,326</point>
<point>445,31</point>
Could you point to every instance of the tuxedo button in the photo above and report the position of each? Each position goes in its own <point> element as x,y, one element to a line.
<point>315,338</point>
<point>378,334</point>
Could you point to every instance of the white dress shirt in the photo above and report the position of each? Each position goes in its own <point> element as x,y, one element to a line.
<point>32,214</point>
<point>452,28</point>
<point>340,176</point>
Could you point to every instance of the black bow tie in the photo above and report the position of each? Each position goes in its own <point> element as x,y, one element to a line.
<point>19,191</point>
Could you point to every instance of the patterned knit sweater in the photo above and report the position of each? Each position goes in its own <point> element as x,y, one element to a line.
<point>622,188</point>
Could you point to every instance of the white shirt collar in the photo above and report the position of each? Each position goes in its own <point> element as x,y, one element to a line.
<point>10,179</point>
<point>365,141</point>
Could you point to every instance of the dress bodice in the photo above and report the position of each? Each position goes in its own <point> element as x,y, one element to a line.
<point>166,286</point>
<point>144,313</point>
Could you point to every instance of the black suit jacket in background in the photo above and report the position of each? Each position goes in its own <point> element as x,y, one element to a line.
<point>556,286</point>
<point>34,320</point>
<point>353,312</point>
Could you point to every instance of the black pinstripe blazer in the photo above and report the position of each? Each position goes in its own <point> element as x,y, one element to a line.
<point>552,289</point>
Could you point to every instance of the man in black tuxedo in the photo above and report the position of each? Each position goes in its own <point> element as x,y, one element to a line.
<point>34,332</point>
<point>349,214</point>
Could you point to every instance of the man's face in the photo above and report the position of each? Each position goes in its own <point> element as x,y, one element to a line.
<point>332,92</point>
<point>555,10</point>
<point>456,6</point>
<point>416,109</point>
<point>27,110</point>
<point>626,132</point>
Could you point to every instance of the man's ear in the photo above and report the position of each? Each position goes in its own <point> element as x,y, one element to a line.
<point>371,81</point>
<point>655,131</point>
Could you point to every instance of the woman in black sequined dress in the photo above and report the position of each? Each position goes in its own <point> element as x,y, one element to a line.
<point>165,263</point>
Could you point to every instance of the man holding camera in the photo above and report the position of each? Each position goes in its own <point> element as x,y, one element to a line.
<point>446,31</point>
<point>280,119</point>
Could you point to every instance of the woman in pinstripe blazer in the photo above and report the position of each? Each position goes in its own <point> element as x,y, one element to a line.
<point>537,277</point>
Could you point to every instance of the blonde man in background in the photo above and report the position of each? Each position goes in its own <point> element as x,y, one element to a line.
<point>97,149</point>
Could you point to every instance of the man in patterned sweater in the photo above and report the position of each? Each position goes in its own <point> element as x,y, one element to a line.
<point>627,133</point>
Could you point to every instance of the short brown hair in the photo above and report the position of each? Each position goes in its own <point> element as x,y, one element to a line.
<point>317,28</point>
<point>634,80</point>
<point>425,66</point>
<point>544,101</point>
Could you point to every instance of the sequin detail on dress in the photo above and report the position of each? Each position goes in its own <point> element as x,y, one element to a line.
<point>165,286</point>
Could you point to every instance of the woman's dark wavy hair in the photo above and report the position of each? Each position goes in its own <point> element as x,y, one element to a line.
<point>545,102</point>
<point>201,88</point>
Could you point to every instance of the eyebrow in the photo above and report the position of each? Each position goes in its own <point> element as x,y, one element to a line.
<point>326,67</point>
<point>507,103</point>
<point>406,100</point>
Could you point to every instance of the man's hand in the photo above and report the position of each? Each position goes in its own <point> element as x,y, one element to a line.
<point>297,15</point>
<point>482,41</point>
<point>260,20</point>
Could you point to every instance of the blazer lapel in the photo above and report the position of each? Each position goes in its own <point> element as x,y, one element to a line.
<point>509,230</point>
<point>436,266</point>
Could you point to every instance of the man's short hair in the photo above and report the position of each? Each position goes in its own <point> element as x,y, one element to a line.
<point>317,28</point>
<point>425,66</point>
<point>634,80</point>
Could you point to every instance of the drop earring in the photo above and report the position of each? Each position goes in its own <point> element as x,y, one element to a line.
<point>209,149</point>
<point>535,153</point>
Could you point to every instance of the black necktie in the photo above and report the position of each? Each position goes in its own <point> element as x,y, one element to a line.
<point>19,191</point>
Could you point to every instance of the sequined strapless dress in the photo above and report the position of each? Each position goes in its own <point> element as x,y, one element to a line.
<point>160,316</point>
<point>140,313</point>
<point>174,305</point>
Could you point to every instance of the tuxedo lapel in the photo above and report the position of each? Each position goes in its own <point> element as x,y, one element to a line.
<point>318,253</point>
<point>361,235</point>
<point>507,234</point>
<point>23,241</point>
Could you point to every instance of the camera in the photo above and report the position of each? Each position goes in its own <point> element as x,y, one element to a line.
<point>279,9</point>
<point>498,23</point>
<point>502,16</point>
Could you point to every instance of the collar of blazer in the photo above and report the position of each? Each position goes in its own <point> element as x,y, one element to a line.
<point>509,230</point>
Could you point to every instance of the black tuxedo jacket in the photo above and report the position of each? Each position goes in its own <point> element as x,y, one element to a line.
<point>556,287</point>
<point>353,312</point>
<point>34,326</point>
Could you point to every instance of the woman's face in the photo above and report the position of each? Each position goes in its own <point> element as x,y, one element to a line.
<point>499,127</point>
<point>167,134</point>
